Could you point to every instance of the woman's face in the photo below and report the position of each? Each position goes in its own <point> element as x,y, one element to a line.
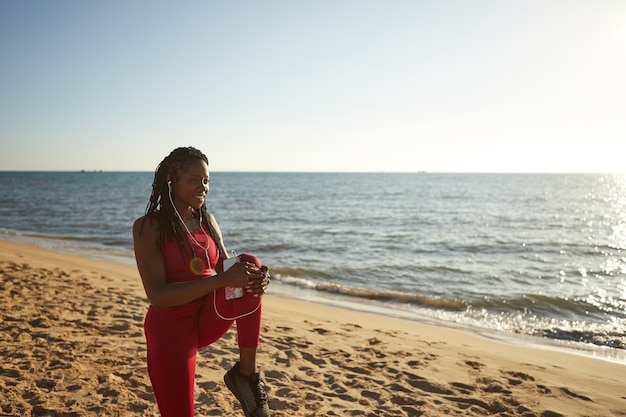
<point>192,185</point>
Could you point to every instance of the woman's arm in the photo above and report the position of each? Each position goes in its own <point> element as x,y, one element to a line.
<point>151,266</point>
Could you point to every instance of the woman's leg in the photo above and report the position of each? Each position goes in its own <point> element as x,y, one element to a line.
<point>218,315</point>
<point>172,340</point>
<point>243,380</point>
<point>248,336</point>
<point>212,325</point>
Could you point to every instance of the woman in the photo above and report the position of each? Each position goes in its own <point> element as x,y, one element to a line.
<point>180,254</point>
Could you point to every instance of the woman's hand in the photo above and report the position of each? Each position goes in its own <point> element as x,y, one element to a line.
<point>258,284</point>
<point>248,276</point>
<point>240,274</point>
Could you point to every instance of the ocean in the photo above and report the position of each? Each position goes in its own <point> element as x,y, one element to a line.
<point>533,258</point>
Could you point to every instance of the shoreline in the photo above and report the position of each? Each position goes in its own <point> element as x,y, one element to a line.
<point>485,326</point>
<point>596,351</point>
<point>73,342</point>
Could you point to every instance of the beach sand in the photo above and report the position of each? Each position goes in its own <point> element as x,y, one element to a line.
<point>72,344</point>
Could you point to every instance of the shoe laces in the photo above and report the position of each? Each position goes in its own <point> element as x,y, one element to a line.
<point>258,390</point>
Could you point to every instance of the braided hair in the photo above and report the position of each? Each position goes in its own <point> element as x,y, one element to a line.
<point>159,207</point>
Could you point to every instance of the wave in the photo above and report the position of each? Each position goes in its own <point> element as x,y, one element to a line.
<point>98,247</point>
<point>39,235</point>
<point>615,340</point>
<point>373,295</point>
<point>556,306</point>
<point>606,334</point>
<point>536,315</point>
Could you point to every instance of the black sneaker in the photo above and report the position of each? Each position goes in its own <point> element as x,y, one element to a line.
<point>250,392</point>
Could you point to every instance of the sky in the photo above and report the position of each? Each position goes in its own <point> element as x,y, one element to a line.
<point>342,85</point>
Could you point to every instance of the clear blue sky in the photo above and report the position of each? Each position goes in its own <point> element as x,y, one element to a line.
<point>342,85</point>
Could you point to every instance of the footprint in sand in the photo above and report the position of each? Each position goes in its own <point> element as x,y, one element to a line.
<point>574,395</point>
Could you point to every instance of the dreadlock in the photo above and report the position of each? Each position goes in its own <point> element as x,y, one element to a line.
<point>159,207</point>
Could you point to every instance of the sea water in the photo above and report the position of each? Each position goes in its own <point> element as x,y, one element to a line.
<point>531,255</point>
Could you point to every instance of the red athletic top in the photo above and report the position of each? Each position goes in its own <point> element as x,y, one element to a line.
<point>178,262</point>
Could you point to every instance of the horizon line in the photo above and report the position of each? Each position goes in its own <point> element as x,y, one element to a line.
<point>86,171</point>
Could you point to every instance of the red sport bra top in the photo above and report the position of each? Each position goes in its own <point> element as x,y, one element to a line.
<point>182,265</point>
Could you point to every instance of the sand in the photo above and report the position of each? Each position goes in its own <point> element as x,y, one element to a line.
<point>72,344</point>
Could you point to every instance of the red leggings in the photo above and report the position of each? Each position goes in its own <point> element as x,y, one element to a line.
<point>173,335</point>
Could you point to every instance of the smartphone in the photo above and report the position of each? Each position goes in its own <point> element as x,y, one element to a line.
<point>230,292</point>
